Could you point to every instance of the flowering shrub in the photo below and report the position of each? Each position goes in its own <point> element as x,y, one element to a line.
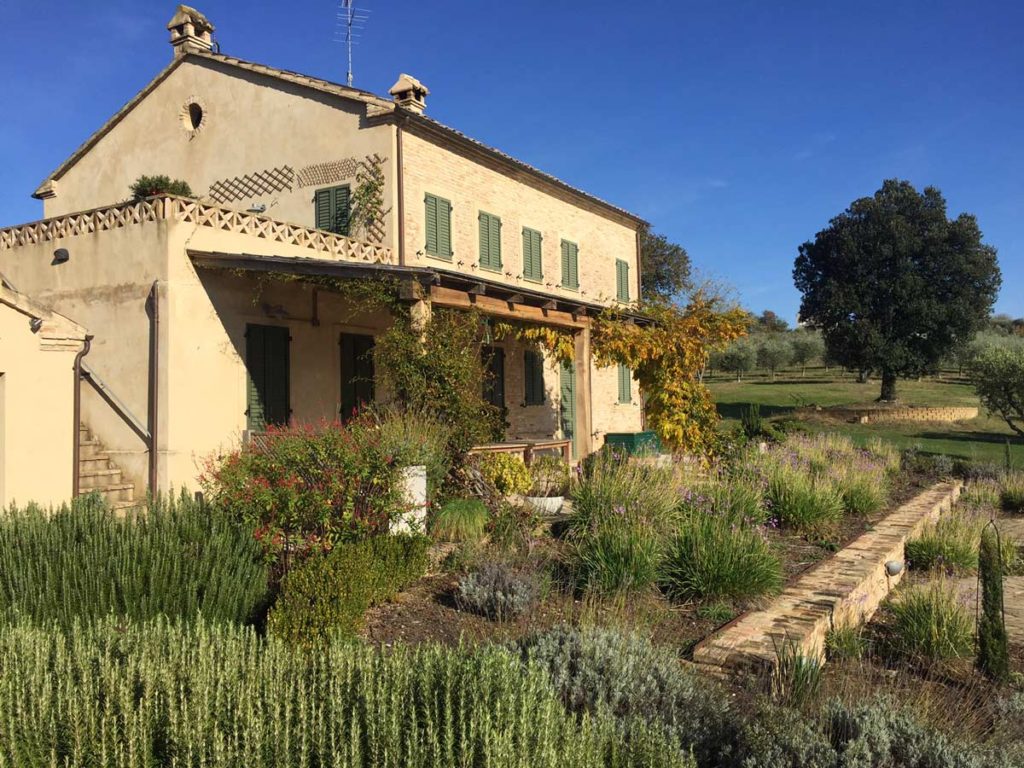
<point>506,472</point>
<point>307,488</point>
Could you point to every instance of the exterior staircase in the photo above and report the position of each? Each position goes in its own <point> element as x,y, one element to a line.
<point>97,473</point>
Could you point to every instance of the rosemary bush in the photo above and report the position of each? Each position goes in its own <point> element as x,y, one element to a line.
<point>175,557</point>
<point>168,693</point>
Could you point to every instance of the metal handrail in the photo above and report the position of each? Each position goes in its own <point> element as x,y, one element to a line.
<point>115,402</point>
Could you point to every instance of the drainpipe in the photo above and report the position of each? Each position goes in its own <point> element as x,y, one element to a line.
<point>76,408</point>
<point>401,194</point>
<point>154,388</point>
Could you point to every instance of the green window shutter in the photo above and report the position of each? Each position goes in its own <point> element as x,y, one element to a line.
<point>621,280</point>
<point>444,228</point>
<point>625,384</point>
<point>430,221</point>
<point>332,209</point>
<point>267,363</point>
<point>533,376</point>
<point>490,241</point>
<point>532,266</point>
<point>570,265</point>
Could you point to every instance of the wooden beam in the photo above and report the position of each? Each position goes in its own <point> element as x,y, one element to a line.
<point>478,290</point>
<point>450,297</point>
<point>549,304</point>
<point>516,298</point>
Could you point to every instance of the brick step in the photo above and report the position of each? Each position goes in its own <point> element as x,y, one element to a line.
<point>97,479</point>
<point>842,591</point>
<point>93,463</point>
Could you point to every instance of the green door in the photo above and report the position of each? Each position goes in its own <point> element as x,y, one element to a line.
<point>267,365</point>
<point>356,373</point>
<point>568,402</point>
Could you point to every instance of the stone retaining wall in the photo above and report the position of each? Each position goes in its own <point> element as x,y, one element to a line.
<point>911,413</point>
<point>842,591</point>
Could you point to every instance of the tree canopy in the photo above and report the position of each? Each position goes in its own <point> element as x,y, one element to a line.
<point>770,322</point>
<point>894,285</point>
<point>665,267</point>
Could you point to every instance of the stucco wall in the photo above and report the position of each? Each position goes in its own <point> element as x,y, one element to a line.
<point>104,286</point>
<point>206,376</point>
<point>37,430</point>
<point>609,415</point>
<point>472,187</point>
<point>252,125</point>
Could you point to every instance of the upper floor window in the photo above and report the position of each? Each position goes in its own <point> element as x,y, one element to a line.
<point>621,280</point>
<point>533,269</point>
<point>570,265</point>
<point>438,225</point>
<point>490,241</point>
<point>332,207</point>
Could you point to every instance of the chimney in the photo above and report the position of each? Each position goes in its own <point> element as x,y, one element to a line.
<point>410,93</point>
<point>190,31</point>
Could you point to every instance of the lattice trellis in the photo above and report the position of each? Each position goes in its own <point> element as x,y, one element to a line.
<point>253,185</point>
<point>319,174</point>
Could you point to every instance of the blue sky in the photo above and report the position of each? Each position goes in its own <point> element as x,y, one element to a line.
<point>737,128</point>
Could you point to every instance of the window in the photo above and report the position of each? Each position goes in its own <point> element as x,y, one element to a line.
<point>533,376</point>
<point>621,280</point>
<point>625,384</point>
<point>532,267</point>
<point>267,366</point>
<point>490,241</point>
<point>332,207</point>
<point>570,265</point>
<point>439,227</point>
<point>494,376</point>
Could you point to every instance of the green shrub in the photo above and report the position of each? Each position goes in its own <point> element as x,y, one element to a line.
<point>1011,493</point>
<point>751,421</point>
<point>415,438</point>
<point>863,492</point>
<point>950,544</point>
<point>845,643</point>
<point>993,651</point>
<point>175,557</point>
<point>506,472</point>
<point>149,186</point>
<point>929,624</point>
<point>738,498</point>
<point>622,513</point>
<point>166,694</point>
<point>329,593</point>
<point>981,494</point>
<point>598,669</point>
<point>498,591</point>
<point>782,737</point>
<point>718,613</point>
<point>550,476</point>
<point>620,553</point>
<point>460,520</point>
<point>711,557</point>
<point>800,501</point>
<point>320,485</point>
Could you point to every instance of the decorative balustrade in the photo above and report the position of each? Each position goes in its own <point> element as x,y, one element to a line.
<point>193,212</point>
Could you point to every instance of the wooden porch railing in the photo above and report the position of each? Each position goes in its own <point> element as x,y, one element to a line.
<point>527,448</point>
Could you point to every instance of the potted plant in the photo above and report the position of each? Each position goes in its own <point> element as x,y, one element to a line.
<point>550,483</point>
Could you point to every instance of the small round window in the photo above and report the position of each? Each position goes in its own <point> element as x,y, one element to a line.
<point>195,116</point>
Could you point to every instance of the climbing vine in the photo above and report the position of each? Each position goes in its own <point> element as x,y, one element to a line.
<point>368,211</point>
<point>361,296</point>
<point>557,342</point>
<point>667,352</point>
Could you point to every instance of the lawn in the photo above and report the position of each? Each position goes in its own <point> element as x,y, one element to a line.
<point>981,439</point>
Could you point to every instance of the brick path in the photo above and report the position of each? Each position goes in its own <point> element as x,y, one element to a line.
<point>845,589</point>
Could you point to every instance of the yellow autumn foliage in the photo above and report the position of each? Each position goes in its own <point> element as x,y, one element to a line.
<point>667,352</point>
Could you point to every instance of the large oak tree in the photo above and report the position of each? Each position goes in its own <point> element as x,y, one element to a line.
<point>665,267</point>
<point>894,285</point>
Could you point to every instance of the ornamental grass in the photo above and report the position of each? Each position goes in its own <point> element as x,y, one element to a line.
<point>930,623</point>
<point>174,557</point>
<point>168,693</point>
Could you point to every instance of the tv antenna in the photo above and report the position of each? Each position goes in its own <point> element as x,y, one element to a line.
<point>351,21</point>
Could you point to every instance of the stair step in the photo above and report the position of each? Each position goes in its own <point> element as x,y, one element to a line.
<point>115,492</point>
<point>98,478</point>
<point>92,463</point>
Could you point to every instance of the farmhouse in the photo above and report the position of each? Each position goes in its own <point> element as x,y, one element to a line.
<point>213,316</point>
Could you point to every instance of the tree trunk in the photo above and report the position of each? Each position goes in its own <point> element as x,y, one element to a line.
<point>888,387</point>
<point>862,376</point>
